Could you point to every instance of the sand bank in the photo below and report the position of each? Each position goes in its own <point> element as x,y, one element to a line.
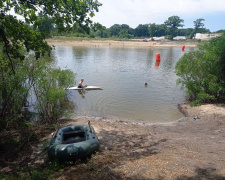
<point>110,43</point>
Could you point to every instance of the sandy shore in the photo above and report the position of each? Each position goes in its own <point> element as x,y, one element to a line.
<point>62,41</point>
<point>186,149</point>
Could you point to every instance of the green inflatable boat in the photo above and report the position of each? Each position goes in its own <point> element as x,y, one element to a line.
<point>73,142</point>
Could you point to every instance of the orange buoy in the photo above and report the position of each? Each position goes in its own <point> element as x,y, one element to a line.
<point>157,57</point>
<point>183,47</point>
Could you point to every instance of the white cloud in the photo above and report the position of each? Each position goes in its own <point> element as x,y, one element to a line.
<point>134,12</point>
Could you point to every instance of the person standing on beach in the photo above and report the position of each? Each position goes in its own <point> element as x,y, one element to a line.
<point>80,84</point>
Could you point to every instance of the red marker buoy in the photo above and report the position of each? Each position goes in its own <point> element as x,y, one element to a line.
<point>157,57</point>
<point>183,47</point>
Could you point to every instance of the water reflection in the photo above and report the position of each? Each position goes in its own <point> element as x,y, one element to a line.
<point>122,73</point>
<point>157,63</point>
<point>81,92</point>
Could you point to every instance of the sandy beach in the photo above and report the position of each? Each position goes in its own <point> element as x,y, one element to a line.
<point>63,41</point>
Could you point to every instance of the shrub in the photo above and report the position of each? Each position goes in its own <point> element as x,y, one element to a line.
<point>49,86</point>
<point>202,72</point>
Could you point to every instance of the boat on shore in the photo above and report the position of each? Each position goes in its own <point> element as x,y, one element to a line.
<point>73,142</point>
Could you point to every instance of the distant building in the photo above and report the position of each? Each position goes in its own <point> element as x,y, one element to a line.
<point>158,38</point>
<point>205,36</point>
<point>179,38</point>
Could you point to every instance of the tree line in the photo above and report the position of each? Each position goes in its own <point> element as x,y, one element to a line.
<point>171,28</point>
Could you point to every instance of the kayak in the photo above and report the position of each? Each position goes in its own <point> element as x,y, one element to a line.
<point>73,142</point>
<point>86,88</point>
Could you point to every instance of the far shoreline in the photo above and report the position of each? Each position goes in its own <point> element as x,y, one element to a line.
<point>83,42</point>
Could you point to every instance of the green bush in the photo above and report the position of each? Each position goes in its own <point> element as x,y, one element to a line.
<point>32,78</point>
<point>202,72</point>
<point>49,86</point>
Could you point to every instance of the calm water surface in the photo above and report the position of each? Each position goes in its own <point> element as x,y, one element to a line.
<point>122,72</point>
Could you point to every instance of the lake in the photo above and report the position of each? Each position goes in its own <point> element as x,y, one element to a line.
<point>122,73</point>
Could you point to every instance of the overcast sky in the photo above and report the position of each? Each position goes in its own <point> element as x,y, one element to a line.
<point>135,12</point>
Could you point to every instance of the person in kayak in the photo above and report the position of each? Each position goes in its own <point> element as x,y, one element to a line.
<point>80,84</point>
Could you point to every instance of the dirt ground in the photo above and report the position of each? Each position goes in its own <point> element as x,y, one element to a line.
<point>185,149</point>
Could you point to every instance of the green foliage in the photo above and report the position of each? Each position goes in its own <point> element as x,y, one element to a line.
<point>44,25</point>
<point>142,30</point>
<point>14,91</point>
<point>172,25</point>
<point>202,72</point>
<point>33,77</point>
<point>197,25</point>
<point>23,73</point>
<point>124,34</point>
<point>114,30</point>
<point>221,31</point>
<point>49,87</point>
<point>157,30</point>
<point>19,76</point>
<point>97,27</point>
<point>117,30</point>
<point>16,35</point>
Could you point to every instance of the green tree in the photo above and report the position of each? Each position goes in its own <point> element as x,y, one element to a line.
<point>15,34</point>
<point>188,32</point>
<point>197,25</point>
<point>97,27</point>
<point>128,29</point>
<point>220,31</point>
<point>157,30</point>
<point>13,91</point>
<point>114,30</point>
<point>125,26</point>
<point>202,72</point>
<point>44,25</point>
<point>152,30</point>
<point>172,24</point>
<point>17,40</point>
<point>124,33</point>
<point>49,85</point>
<point>142,30</point>
<point>36,77</point>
